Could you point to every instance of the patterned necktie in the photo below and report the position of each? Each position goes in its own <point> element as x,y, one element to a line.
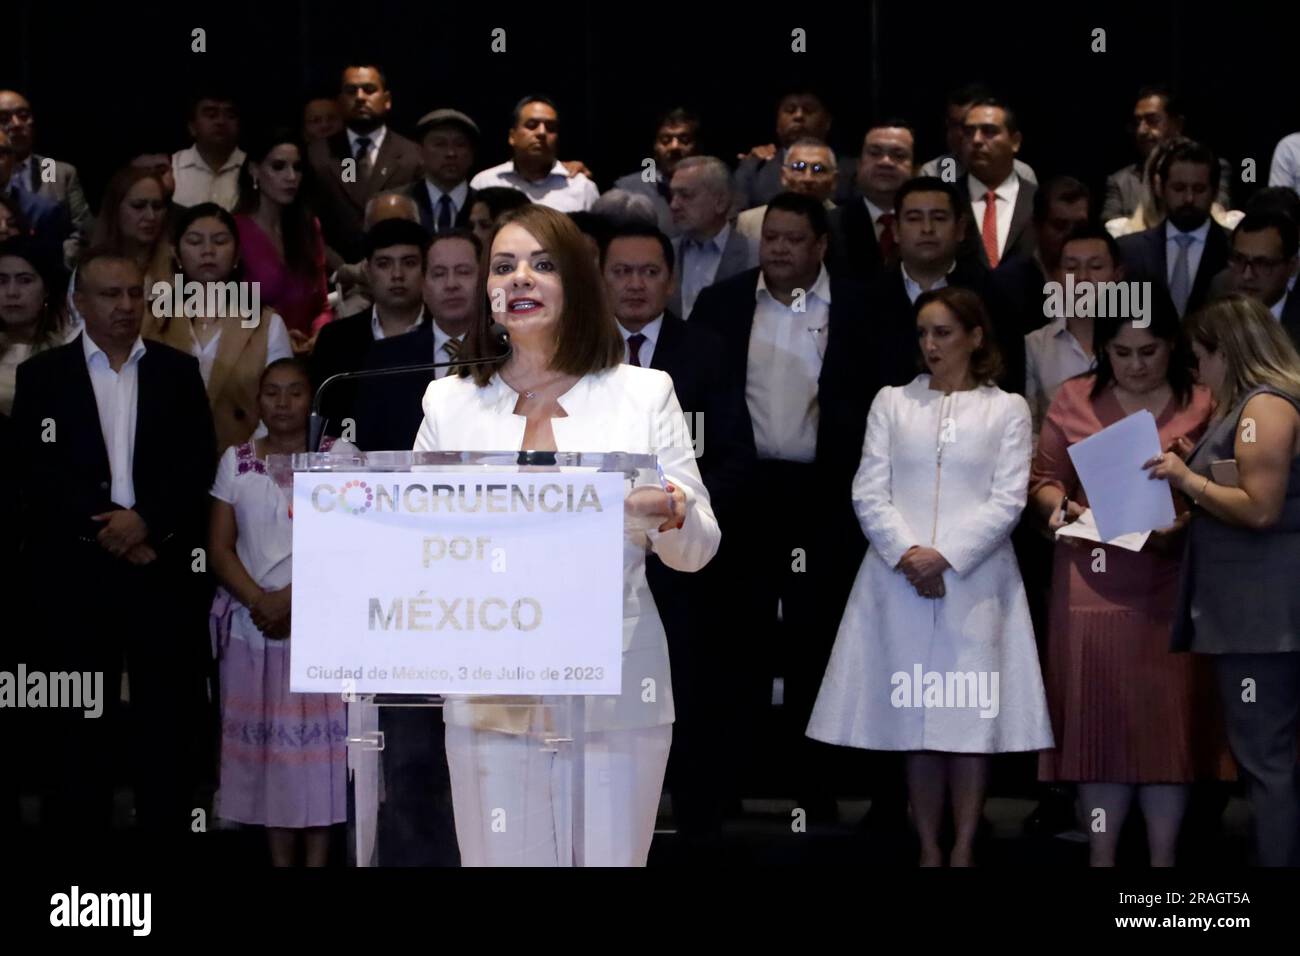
<point>634,349</point>
<point>444,212</point>
<point>363,158</point>
<point>1180,283</point>
<point>989,230</point>
<point>888,246</point>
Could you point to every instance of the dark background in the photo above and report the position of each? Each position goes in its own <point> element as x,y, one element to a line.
<point>108,81</point>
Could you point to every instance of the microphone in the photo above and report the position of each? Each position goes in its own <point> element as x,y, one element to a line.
<point>316,423</point>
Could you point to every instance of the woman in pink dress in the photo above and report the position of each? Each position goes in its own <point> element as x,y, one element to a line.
<point>280,239</point>
<point>1130,718</point>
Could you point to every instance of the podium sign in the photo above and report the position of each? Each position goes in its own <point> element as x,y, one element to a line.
<point>458,582</point>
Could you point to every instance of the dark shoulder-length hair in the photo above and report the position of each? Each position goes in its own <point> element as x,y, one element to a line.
<point>1165,325</point>
<point>54,278</point>
<point>297,223</point>
<point>188,216</point>
<point>968,307</point>
<point>587,339</point>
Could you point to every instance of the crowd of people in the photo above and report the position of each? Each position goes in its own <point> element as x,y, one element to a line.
<point>883,397</point>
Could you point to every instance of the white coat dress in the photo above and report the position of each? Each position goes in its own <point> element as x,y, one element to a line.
<point>960,673</point>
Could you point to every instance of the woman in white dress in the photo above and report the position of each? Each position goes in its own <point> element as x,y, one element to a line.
<point>564,388</point>
<point>935,654</point>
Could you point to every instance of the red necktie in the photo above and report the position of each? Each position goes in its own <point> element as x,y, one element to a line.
<point>888,247</point>
<point>634,348</point>
<point>990,227</point>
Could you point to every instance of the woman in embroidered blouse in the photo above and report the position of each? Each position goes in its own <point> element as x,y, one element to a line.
<point>283,755</point>
<point>935,654</point>
<point>231,354</point>
<point>280,239</point>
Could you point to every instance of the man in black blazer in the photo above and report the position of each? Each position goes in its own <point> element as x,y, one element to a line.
<point>1263,263</point>
<point>448,139</point>
<point>394,267</point>
<point>377,159</point>
<point>991,139</point>
<point>799,113</point>
<point>637,263</point>
<point>1181,256</point>
<point>115,450</point>
<point>785,326</point>
<point>863,226</point>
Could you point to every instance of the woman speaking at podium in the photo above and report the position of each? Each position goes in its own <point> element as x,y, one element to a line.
<point>563,387</point>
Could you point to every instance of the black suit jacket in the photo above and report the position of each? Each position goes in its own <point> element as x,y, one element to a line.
<point>855,251</point>
<point>1145,261</point>
<point>67,480</point>
<point>1291,317</point>
<point>341,206</point>
<point>428,217</point>
<point>341,347</point>
<point>389,408</point>
<point>1022,239</point>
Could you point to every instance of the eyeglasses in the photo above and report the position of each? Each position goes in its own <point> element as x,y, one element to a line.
<point>800,166</point>
<point>8,116</point>
<point>1241,263</point>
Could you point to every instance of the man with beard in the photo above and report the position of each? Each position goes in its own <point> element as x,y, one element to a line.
<point>367,158</point>
<point>677,136</point>
<point>1183,254</point>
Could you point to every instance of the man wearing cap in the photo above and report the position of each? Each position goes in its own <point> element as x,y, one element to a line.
<point>447,139</point>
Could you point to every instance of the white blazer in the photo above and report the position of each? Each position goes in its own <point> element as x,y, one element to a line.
<point>626,409</point>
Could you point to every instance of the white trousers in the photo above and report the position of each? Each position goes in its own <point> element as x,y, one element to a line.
<point>511,797</point>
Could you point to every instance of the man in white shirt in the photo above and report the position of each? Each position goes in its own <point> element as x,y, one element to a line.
<point>534,169</point>
<point>1263,263</point>
<point>1002,205</point>
<point>708,248</point>
<point>208,171</point>
<point>448,139</point>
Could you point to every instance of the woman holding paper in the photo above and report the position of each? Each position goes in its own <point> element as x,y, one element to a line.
<point>935,653</point>
<point>563,387</point>
<point>1128,716</point>
<point>1239,599</point>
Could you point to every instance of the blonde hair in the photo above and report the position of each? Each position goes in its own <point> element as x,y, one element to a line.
<point>1255,349</point>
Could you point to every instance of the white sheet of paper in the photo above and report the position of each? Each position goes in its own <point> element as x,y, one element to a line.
<point>1085,528</point>
<point>1122,496</point>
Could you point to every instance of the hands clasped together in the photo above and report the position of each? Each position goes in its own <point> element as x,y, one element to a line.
<point>924,568</point>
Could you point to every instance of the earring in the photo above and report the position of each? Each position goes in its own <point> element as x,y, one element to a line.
<point>255,185</point>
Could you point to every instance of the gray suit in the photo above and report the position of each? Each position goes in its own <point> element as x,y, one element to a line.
<point>65,189</point>
<point>633,183</point>
<point>736,258</point>
<point>757,181</point>
<point>1124,191</point>
<point>1238,601</point>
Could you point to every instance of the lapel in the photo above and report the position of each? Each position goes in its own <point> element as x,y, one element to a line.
<point>861,234</point>
<point>1021,217</point>
<point>675,300</point>
<point>670,340</point>
<point>34,173</point>
<point>1158,240</point>
<point>85,408</point>
<point>385,164</point>
<point>592,420</point>
<point>341,147</point>
<point>420,193</point>
<point>234,338</point>
<point>147,414</point>
<point>1213,259</point>
<point>735,256</point>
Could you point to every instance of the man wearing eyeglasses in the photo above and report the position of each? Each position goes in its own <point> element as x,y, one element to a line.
<point>1263,262</point>
<point>810,169</point>
<point>37,175</point>
<point>799,113</point>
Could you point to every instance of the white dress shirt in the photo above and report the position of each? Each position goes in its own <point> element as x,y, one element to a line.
<point>196,181</point>
<point>1052,354</point>
<point>458,195</point>
<point>556,189</point>
<point>1277,307</point>
<point>116,396</point>
<point>786,349</point>
<point>647,350</point>
<point>278,346</point>
<point>376,138</point>
<point>1006,193</point>
<point>699,265</point>
<point>440,351</point>
<point>913,288</point>
<point>377,330</point>
<point>1194,250</point>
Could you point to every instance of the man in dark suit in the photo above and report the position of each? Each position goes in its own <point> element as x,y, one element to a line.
<point>394,267</point>
<point>1001,202</point>
<point>799,113</point>
<point>47,219</point>
<point>365,159</point>
<point>784,327</point>
<point>677,137</point>
<point>864,227</point>
<point>389,409</point>
<point>115,449</point>
<point>448,139</point>
<point>637,262</point>
<point>1263,263</point>
<point>50,178</point>
<point>1182,255</point>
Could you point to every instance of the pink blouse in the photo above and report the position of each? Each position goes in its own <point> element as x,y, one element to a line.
<point>299,299</point>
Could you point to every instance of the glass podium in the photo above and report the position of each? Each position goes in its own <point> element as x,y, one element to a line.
<point>436,777</point>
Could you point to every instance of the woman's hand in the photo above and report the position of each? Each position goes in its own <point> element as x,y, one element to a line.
<point>1169,466</point>
<point>270,612</point>
<point>302,344</point>
<point>649,501</point>
<point>923,566</point>
<point>1073,510</point>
